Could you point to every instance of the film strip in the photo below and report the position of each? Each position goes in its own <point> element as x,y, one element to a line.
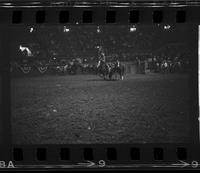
<point>104,85</point>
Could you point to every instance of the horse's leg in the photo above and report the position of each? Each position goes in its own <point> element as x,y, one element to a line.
<point>122,76</point>
<point>110,76</point>
<point>115,76</point>
<point>119,75</point>
<point>107,76</point>
<point>104,76</point>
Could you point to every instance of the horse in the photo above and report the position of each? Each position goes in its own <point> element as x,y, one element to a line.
<point>103,69</point>
<point>117,68</point>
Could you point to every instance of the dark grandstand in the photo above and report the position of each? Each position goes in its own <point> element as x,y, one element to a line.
<point>162,48</point>
<point>59,97</point>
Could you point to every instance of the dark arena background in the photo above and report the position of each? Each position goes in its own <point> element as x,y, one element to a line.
<point>59,96</point>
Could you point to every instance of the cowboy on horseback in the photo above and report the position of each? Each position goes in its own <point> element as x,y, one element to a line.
<point>103,69</point>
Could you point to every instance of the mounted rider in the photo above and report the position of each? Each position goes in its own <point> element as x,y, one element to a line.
<point>102,57</point>
<point>117,63</point>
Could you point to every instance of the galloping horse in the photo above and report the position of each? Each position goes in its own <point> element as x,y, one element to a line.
<point>118,68</point>
<point>103,69</point>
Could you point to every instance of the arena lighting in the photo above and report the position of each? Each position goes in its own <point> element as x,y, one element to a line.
<point>65,29</point>
<point>98,29</point>
<point>23,48</point>
<point>167,27</point>
<point>31,29</point>
<point>132,29</point>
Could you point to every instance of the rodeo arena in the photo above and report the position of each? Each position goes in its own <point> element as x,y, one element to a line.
<point>100,84</point>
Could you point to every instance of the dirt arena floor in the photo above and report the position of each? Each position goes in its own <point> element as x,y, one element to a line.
<point>73,109</point>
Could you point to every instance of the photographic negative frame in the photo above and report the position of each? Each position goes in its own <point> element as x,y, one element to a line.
<point>19,19</point>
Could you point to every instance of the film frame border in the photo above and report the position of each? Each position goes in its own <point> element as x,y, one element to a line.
<point>171,160</point>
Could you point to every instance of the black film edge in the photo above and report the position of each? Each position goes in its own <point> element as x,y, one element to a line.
<point>99,85</point>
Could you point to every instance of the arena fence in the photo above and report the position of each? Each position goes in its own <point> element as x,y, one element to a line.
<point>16,69</point>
